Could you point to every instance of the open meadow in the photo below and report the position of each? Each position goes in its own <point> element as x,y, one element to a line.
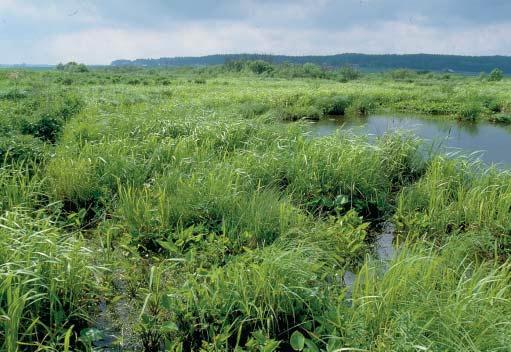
<point>189,210</point>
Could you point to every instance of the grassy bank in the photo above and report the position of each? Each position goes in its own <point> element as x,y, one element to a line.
<point>173,210</point>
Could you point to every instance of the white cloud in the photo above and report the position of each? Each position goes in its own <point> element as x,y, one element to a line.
<point>102,45</point>
<point>72,11</point>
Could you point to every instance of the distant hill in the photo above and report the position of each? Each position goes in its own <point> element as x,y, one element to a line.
<point>30,66</point>
<point>456,63</point>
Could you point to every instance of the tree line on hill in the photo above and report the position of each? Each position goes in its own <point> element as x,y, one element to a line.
<point>451,63</point>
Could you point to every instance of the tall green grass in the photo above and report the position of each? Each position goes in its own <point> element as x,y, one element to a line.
<point>427,300</point>
<point>457,196</point>
<point>228,229</point>
<point>48,282</point>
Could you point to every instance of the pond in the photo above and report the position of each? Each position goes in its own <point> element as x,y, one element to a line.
<point>490,142</point>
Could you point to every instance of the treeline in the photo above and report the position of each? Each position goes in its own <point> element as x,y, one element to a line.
<point>457,63</point>
<point>287,70</point>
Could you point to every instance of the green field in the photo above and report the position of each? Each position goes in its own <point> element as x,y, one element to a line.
<point>188,210</point>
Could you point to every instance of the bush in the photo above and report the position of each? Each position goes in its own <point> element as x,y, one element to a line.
<point>348,73</point>
<point>402,74</point>
<point>235,65</point>
<point>312,70</point>
<point>496,75</point>
<point>72,67</point>
<point>336,105</point>
<point>259,67</point>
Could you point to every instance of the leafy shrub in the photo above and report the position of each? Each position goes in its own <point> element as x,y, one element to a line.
<point>235,65</point>
<point>496,75</point>
<point>402,74</point>
<point>348,73</point>
<point>72,67</point>
<point>337,105</point>
<point>312,70</point>
<point>342,236</point>
<point>134,81</point>
<point>260,67</point>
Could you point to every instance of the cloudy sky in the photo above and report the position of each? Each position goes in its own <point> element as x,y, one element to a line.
<point>99,31</point>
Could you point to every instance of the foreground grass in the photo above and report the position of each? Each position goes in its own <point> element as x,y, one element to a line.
<point>178,213</point>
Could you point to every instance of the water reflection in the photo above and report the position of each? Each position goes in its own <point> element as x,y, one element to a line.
<point>491,140</point>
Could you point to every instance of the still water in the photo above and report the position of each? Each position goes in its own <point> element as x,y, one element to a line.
<point>490,142</point>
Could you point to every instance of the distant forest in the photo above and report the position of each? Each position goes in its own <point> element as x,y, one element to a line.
<point>456,63</point>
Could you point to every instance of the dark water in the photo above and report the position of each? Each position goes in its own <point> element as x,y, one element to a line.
<point>490,142</point>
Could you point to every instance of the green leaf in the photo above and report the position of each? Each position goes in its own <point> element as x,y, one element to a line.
<point>297,341</point>
<point>311,346</point>
<point>169,327</point>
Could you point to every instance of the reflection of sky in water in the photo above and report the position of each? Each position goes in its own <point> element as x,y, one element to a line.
<point>492,141</point>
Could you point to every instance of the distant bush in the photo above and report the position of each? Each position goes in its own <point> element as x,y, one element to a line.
<point>312,70</point>
<point>402,74</point>
<point>72,67</point>
<point>260,67</point>
<point>336,105</point>
<point>496,75</point>
<point>235,65</point>
<point>348,73</point>
<point>134,81</point>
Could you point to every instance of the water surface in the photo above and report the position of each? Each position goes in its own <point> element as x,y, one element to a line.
<point>491,142</point>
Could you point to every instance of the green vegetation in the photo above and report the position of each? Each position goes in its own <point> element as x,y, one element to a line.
<point>180,210</point>
<point>422,62</point>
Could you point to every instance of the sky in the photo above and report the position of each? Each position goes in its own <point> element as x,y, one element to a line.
<point>99,31</point>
